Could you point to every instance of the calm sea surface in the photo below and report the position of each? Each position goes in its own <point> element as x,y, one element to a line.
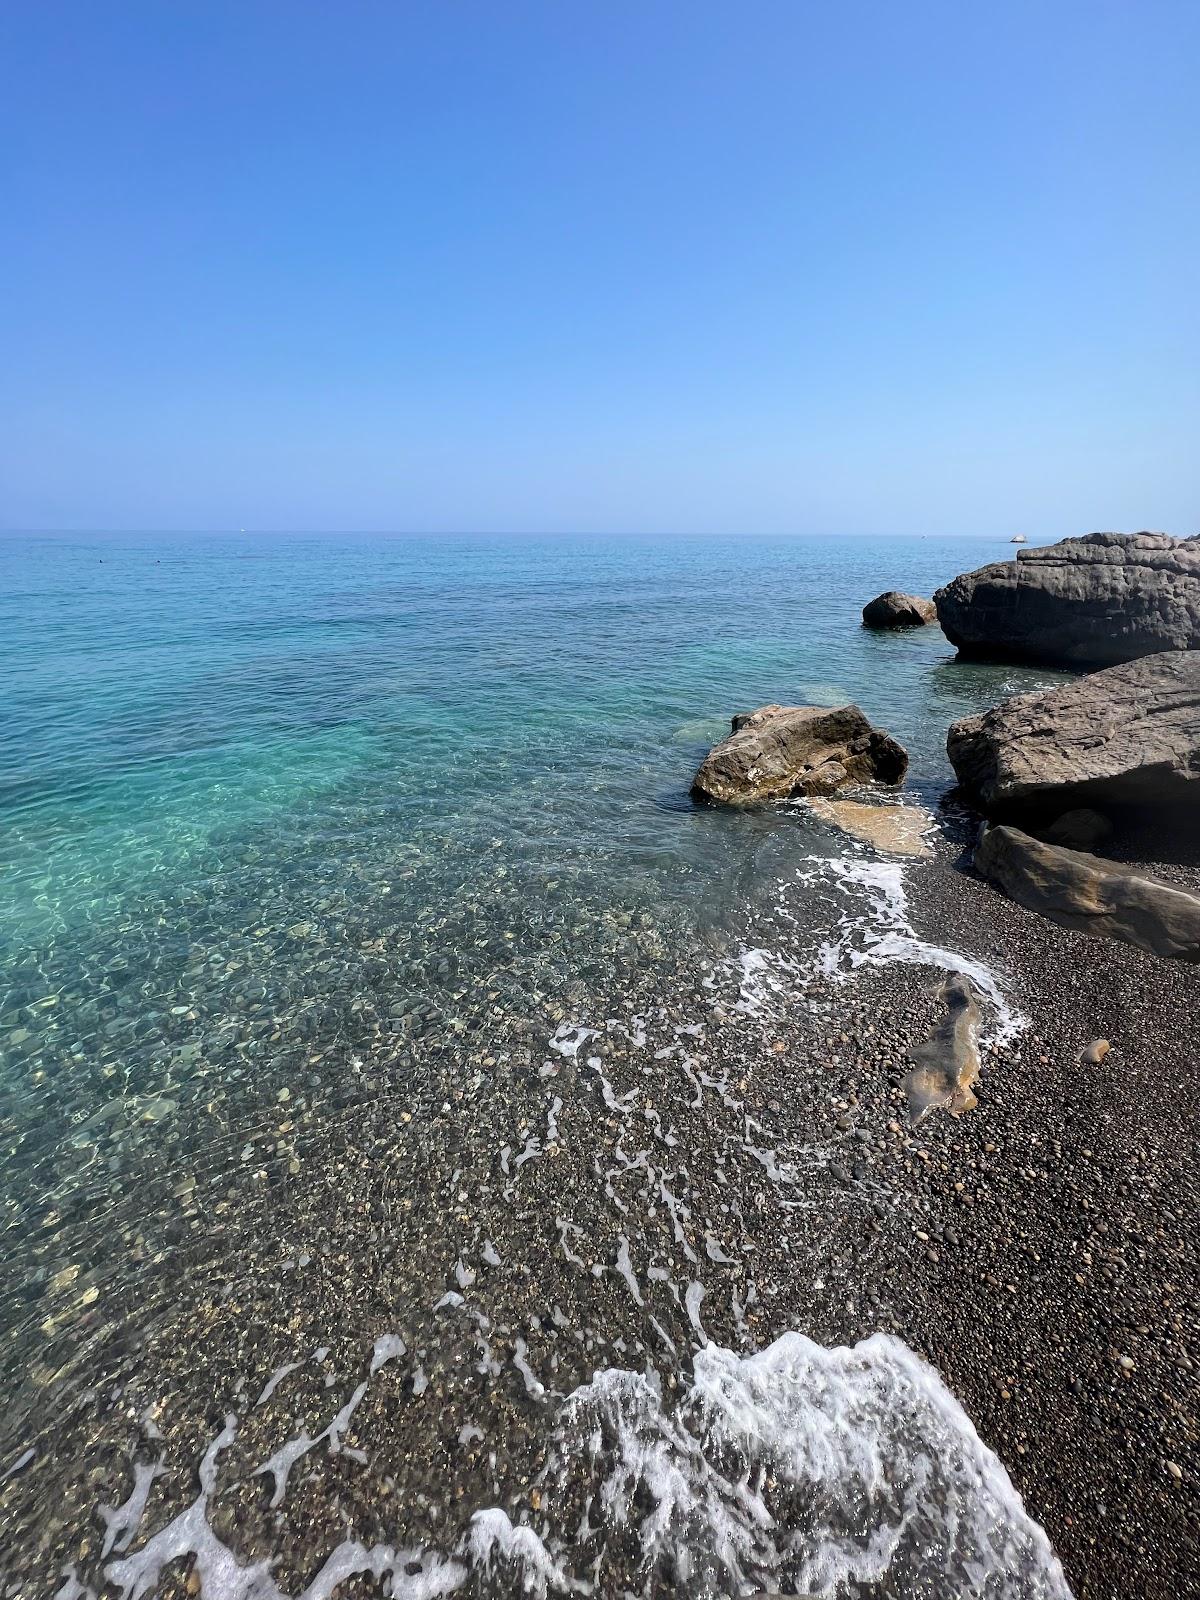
<point>280,812</point>
<point>213,719</point>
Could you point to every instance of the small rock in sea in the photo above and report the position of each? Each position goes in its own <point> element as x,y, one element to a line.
<point>1095,1052</point>
<point>899,830</point>
<point>896,610</point>
<point>781,752</point>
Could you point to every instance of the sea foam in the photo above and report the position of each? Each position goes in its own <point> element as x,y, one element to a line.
<point>798,1468</point>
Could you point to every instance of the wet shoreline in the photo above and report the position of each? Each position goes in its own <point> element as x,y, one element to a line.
<point>724,1157</point>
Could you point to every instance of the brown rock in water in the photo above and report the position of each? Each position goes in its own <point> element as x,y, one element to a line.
<point>1105,598</point>
<point>947,1063</point>
<point>1094,896</point>
<point>896,610</point>
<point>1094,1053</point>
<point>1125,737</point>
<point>778,752</point>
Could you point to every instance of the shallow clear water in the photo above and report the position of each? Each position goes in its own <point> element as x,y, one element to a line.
<point>285,820</point>
<point>182,709</point>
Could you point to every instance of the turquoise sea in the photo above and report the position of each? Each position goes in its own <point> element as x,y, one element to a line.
<point>217,715</point>
<point>281,811</point>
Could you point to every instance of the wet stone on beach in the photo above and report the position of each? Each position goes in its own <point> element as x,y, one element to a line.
<point>947,1063</point>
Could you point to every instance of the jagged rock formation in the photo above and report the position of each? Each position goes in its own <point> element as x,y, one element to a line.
<point>1125,737</point>
<point>1105,598</point>
<point>778,752</point>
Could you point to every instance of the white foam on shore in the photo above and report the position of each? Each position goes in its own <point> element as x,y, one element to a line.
<point>799,1469</point>
<point>875,930</point>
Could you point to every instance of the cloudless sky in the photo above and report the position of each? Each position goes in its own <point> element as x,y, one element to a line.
<point>652,265</point>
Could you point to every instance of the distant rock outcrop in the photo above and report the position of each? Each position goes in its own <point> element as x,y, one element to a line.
<point>1125,737</point>
<point>896,610</point>
<point>1094,896</point>
<point>1105,598</point>
<point>778,752</point>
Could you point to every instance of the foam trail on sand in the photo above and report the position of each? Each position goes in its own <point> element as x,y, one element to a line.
<point>878,931</point>
<point>798,1469</point>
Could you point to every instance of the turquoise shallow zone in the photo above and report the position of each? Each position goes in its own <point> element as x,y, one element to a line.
<point>310,851</point>
<point>174,702</point>
<point>272,801</point>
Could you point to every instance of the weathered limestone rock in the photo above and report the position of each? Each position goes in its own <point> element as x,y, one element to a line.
<point>896,610</point>
<point>1105,598</point>
<point>778,752</point>
<point>1127,736</point>
<point>947,1063</point>
<point>1094,896</point>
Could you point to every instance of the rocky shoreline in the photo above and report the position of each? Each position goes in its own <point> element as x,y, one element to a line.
<point>1059,1286</point>
<point>1061,1300</point>
<point>1039,1252</point>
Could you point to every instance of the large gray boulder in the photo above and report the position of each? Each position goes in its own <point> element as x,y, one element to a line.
<point>1125,737</point>
<point>1105,598</point>
<point>1094,896</point>
<point>778,752</point>
<point>896,610</point>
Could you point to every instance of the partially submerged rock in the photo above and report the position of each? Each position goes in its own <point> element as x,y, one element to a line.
<point>1097,897</point>
<point>778,752</point>
<point>1125,737</point>
<point>896,610</point>
<point>898,830</point>
<point>947,1063</point>
<point>1105,598</point>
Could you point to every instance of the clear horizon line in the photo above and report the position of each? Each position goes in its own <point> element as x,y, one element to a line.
<point>524,533</point>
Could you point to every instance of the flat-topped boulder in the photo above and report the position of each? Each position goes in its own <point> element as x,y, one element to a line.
<point>1126,737</point>
<point>779,752</point>
<point>1094,896</point>
<point>896,610</point>
<point>1094,601</point>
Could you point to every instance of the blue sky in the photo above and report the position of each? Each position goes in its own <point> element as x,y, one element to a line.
<point>601,265</point>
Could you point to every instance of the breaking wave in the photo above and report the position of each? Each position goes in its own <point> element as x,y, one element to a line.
<point>798,1469</point>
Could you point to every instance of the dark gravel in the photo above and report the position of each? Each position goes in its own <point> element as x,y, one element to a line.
<point>1040,1251</point>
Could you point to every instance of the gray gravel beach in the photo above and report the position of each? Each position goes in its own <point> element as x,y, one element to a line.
<point>419,1254</point>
